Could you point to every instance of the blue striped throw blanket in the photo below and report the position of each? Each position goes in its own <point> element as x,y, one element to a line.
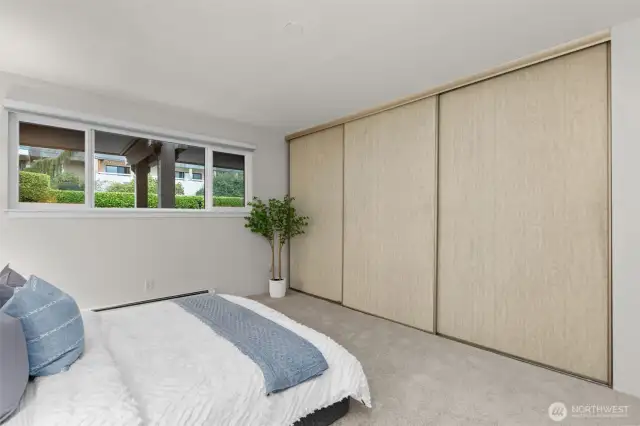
<point>286,359</point>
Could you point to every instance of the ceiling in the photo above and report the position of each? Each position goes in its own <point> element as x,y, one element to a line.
<point>239,59</point>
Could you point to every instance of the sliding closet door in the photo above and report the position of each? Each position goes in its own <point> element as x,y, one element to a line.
<point>523,213</point>
<point>316,183</point>
<point>390,213</point>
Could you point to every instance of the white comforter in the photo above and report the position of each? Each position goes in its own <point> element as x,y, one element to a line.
<point>165,367</point>
<point>91,393</point>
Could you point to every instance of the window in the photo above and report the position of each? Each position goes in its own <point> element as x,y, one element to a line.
<point>228,179</point>
<point>123,169</point>
<point>150,160</point>
<point>119,170</point>
<point>51,164</point>
<point>114,182</point>
<point>189,194</point>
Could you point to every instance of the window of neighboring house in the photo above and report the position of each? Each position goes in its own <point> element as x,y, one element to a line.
<point>120,170</point>
<point>51,164</point>
<point>124,169</point>
<point>229,186</point>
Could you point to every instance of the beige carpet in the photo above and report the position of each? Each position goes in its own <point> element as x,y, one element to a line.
<point>420,379</point>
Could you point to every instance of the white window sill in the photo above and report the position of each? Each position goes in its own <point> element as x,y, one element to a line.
<point>229,212</point>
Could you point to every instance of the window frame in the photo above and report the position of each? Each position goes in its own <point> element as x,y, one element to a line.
<point>20,112</point>
<point>208,179</point>
<point>117,167</point>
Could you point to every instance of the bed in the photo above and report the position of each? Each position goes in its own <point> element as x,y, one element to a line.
<point>155,364</point>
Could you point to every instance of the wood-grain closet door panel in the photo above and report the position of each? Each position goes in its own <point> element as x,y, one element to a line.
<point>390,212</point>
<point>316,183</point>
<point>523,215</point>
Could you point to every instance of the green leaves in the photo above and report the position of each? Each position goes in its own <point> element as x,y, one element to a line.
<point>130,186</point>
<point>295,224</point>
<point>259,220</point>
<point>228,201</point>
<point>50,166</point>
<point>67,197</point>
<point>34,187</point>
<point>228,184</point>
<point>287,222</point>
<point>67,181</point>
<point>127,200</point>
<point>277,221</point>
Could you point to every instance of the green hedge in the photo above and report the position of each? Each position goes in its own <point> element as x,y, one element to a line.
<point>228,201</point>
<point>118,200</point>
<point>189,202</point>
<point>127,200</point>
<point>34,187</point>
<point>68,197</point>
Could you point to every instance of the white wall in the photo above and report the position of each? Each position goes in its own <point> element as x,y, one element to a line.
<point>105,261</point>
<point>625,95</point>
<point>190,186</point>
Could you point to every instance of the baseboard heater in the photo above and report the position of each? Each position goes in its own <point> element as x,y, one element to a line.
<point>144,302</point>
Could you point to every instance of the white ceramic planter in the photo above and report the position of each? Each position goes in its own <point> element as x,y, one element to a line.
<point>278,288</point>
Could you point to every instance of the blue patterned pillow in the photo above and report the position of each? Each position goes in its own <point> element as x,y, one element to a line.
<point>52,325</point>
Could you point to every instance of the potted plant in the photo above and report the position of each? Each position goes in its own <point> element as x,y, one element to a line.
<point>277,221</point>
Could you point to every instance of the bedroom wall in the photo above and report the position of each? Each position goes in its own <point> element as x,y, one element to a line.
<point>105,261</point>
<point>625,96</point>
